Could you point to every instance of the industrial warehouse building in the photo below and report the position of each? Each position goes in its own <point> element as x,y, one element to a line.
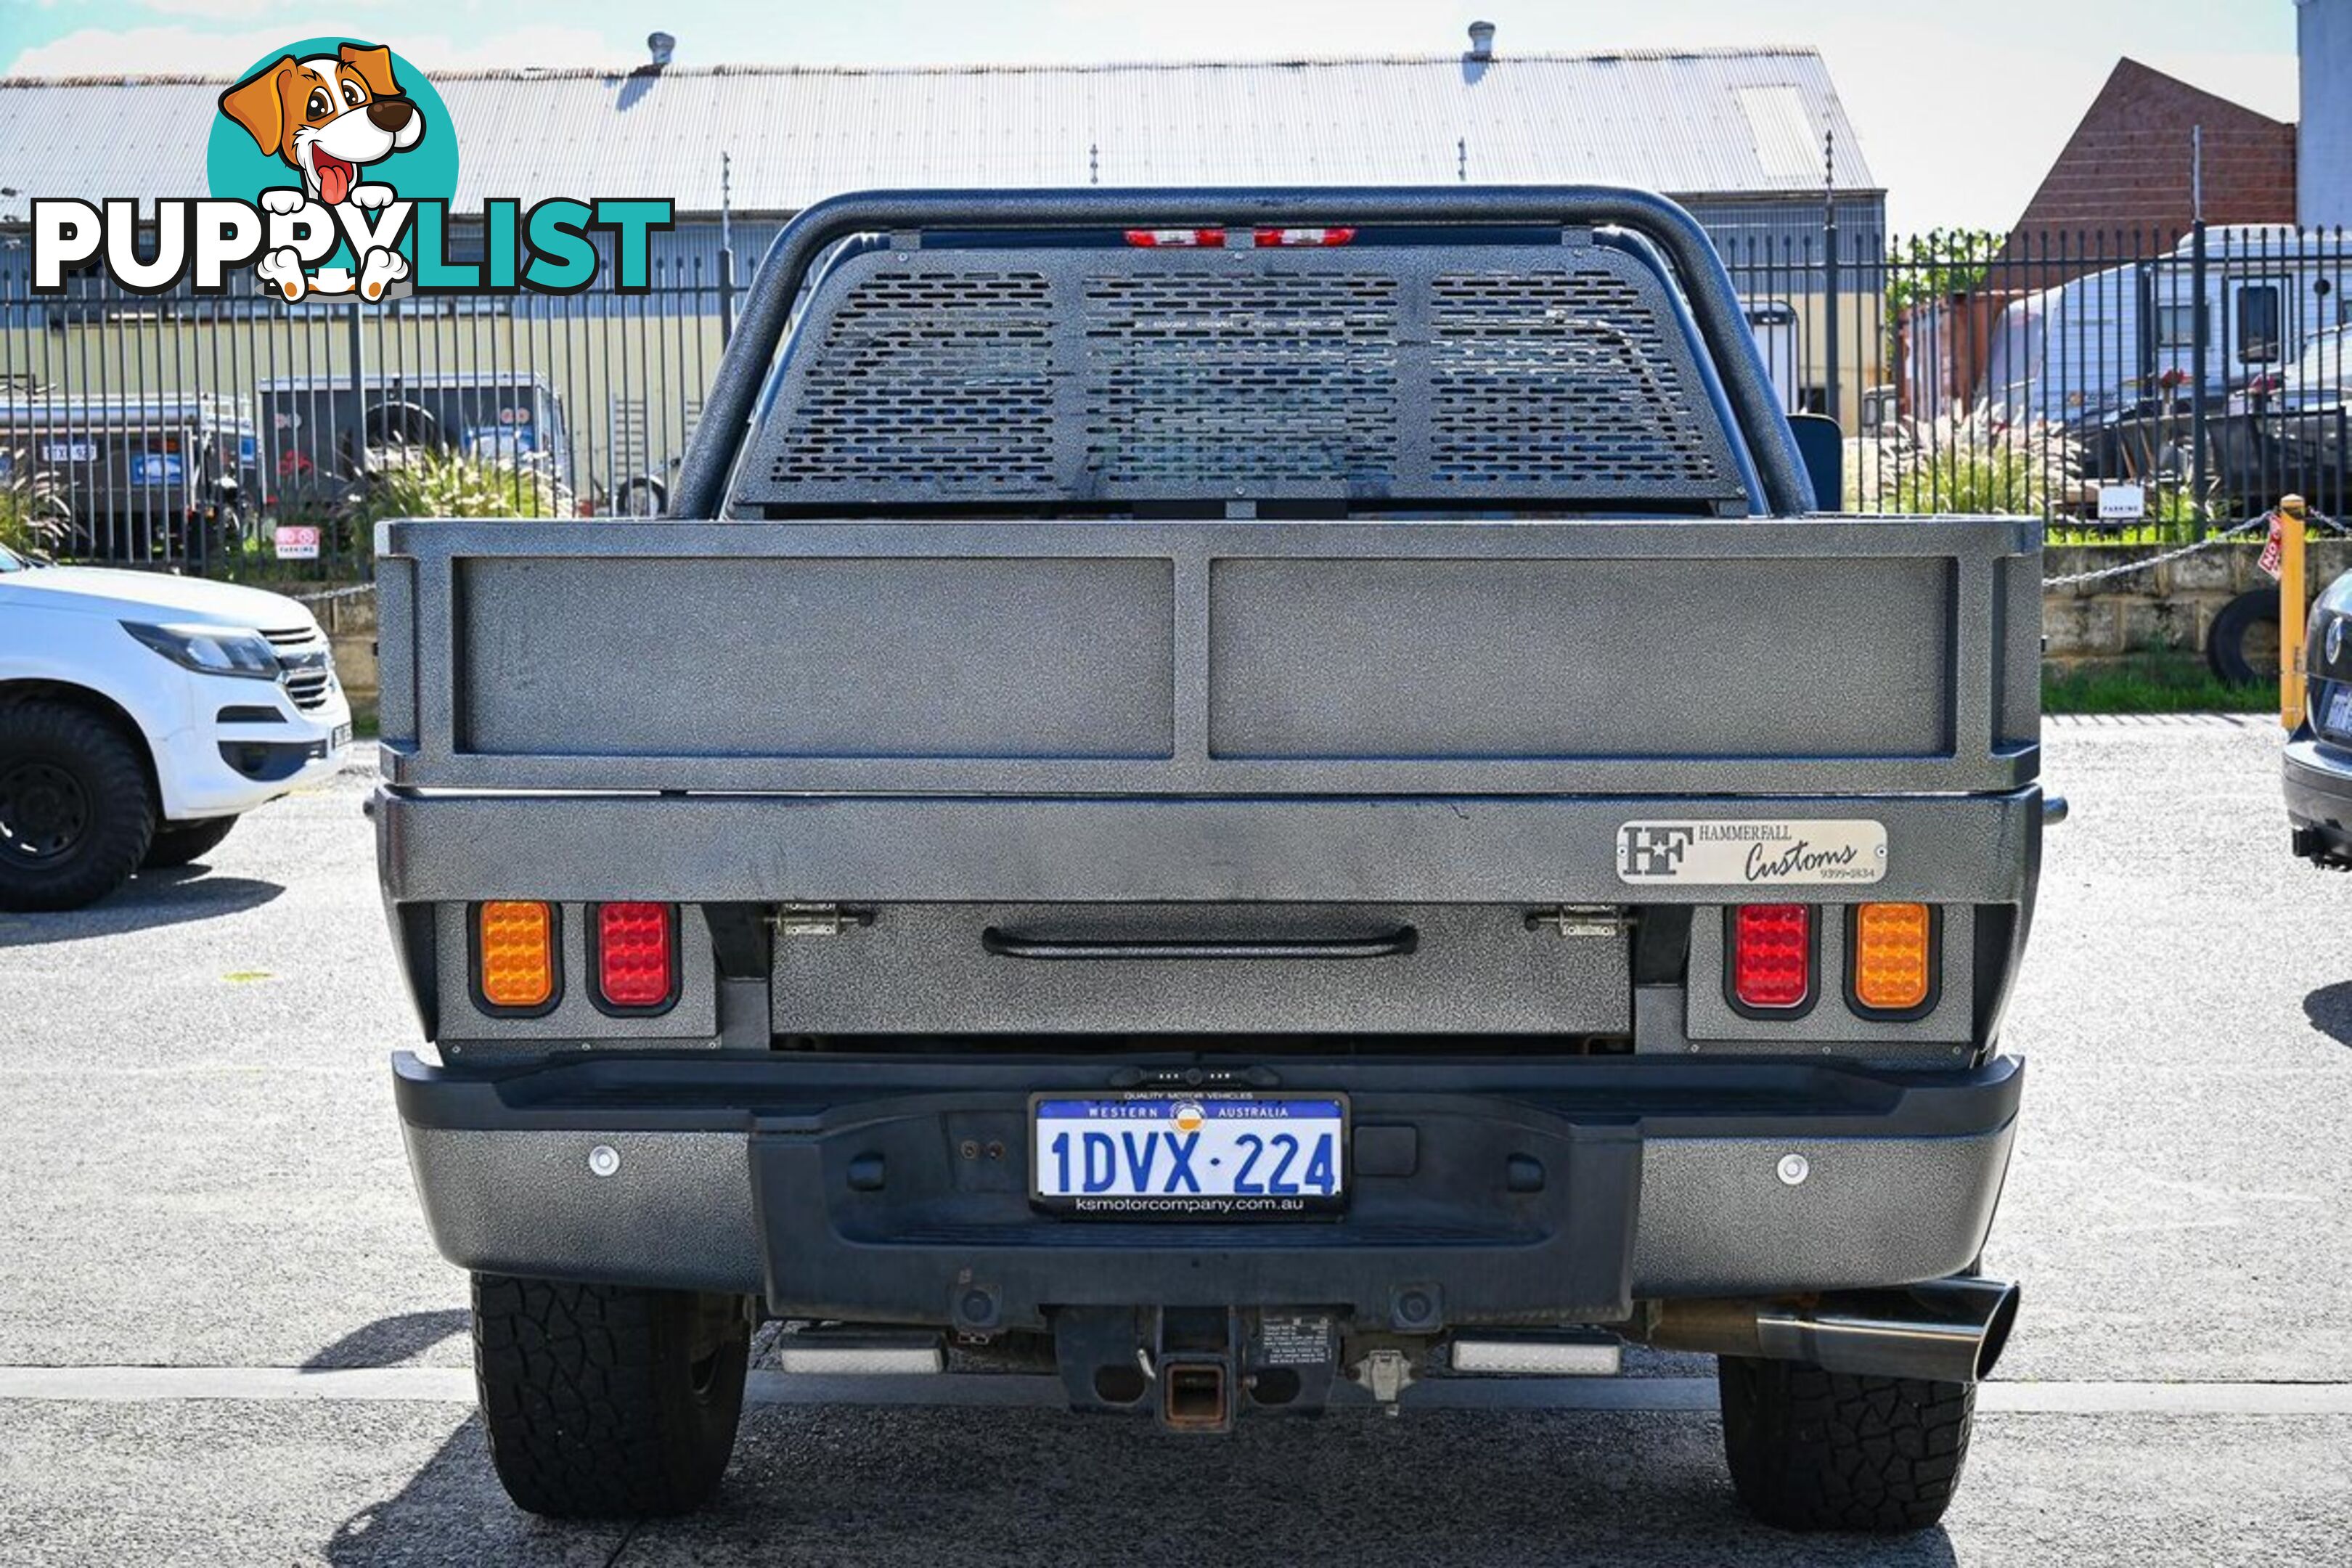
<point>1738,135</point>
<point>1754,141</point>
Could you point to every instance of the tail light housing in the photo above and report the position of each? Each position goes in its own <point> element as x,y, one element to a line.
<point>518,969</point>
<point>635,957</point>
<point>1769,959</point>
<point>1309,237</point>
<point>1176,238</point>
<point>1892,959</point>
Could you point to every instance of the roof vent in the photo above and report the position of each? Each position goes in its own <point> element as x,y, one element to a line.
<point>1482,40</point>
<point>661,46</point>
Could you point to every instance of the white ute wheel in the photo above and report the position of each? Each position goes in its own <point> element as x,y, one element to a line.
<point>76,810</point>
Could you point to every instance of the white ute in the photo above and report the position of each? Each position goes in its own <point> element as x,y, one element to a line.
<point>140,715</point>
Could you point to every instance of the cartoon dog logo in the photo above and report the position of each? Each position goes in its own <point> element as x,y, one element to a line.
<point>329,117</point>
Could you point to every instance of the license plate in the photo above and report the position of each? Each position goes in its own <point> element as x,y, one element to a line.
<point>341,738</point>
<point>1173,1156</point>
<point>2338,719</point>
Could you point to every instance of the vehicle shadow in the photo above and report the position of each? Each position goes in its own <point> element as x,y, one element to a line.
<point>389,1342</point>
<point>150,899</point>
<point>2329,1009</point>
<point>855,1485</point>
<point>450,1509</point>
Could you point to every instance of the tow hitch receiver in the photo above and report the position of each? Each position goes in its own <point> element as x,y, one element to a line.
<point>1196,1369</point>
<point>1193,1395</point>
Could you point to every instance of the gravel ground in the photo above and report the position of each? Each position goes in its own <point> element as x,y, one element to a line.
<point>202,1170</point>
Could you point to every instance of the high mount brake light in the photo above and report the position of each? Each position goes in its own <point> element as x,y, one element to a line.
<point>1893,956</point>
<point>1176,238</point>
<point>1303,236</point>
<point>1772,957</point>
<point>636,967</point>
<point>1213,238</point>
<point>514,948</point>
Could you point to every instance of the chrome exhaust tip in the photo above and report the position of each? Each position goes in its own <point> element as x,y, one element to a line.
<point>1951,1330</point>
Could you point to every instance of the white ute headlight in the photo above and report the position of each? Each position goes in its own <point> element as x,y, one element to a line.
<point>211,651</point>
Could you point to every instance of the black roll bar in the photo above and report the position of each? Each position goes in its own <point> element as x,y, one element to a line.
<point>735,392</point>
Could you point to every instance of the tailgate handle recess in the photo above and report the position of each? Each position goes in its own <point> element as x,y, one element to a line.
<point>1395,944</point>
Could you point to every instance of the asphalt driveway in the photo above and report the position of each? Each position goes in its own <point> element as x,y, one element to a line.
<point>224,1337</point>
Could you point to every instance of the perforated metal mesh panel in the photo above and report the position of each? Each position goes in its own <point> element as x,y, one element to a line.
<point>1248,378</point>
<point>1403,374</point>
<point>1556,374</point>
<point>930,379</point>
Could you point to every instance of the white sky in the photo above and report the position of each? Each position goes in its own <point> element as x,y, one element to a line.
<point>1960,105</point>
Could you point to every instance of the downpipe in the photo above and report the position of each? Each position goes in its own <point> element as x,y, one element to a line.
<point>1951,1331</point>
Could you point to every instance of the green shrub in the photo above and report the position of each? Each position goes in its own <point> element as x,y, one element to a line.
<point>34,516</point>
<point>416,481</point>
<point>1969,465</point>
<point>419,481</point>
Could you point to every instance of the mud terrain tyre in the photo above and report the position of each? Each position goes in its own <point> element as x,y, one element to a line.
<point>607,1401</point>
<point>178,843</point>
<point>75,809</point>
<point>1814,1450</point>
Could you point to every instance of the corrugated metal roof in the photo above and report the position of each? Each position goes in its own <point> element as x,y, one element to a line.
<point>1691,123</point>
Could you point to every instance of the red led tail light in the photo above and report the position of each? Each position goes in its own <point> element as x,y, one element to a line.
<point>1176,238</point>
<point>1311,238</point>
<point>1772,957</point>
<point>636,957</point>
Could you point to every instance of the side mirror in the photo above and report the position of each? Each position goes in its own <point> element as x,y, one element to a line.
<point>1822,445</point>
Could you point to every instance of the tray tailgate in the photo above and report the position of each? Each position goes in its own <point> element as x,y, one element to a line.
<point>1645,656</point>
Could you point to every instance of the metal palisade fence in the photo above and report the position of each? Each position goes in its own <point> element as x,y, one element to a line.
<point>2153,385</point>
<point>2170,385</point>
<point>239,436</point>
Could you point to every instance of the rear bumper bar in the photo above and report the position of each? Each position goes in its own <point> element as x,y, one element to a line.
<point>1486,1190</point>
<point>2317,779</point>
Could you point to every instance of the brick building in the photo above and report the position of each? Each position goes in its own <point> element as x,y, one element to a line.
<point>2122,184</point>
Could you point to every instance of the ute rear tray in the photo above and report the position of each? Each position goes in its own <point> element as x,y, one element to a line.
<point>1829,656</point>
